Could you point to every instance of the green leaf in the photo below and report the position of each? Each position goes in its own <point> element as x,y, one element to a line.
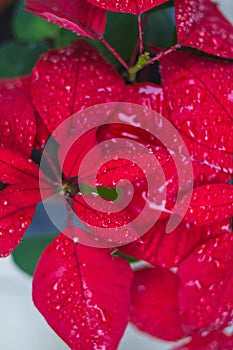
<point>27,253</point>
<point>64,38</point>
<point>19,59</point>
<point>28,27</point>
<point>160,29</point>
<point>107,193</point>
<point>121,33</point>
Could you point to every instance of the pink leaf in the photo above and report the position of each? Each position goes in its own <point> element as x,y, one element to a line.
<point>83,293</point>
<point>78,16</point>
<point>205,293</point>
<point>155,308</point>
<point>67,80</point>
<point>131,6</point>
<point>201,25</point>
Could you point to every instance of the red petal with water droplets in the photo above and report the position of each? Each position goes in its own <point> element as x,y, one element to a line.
<point>217,162</point>
<point>145,94</point>
<point>214,36</point>
<point>17,121</point>
<point>155,308</point>
<point>205,293</point>
<point>132,6</point>
<point>67,80</point>
<point>169,249</point>
<point>214,341</point>
<point>83,293</point>
<point>42,133</point>
<point>16,169</point>
<point>19,198</point>
<point>198,99</point>
<point>210,203</point>
<point>21,84</point>
<point>17,207</point>
<point>71,154</point>
<point>98,218</point>
<point>79,16</point>
<point>131,200</point>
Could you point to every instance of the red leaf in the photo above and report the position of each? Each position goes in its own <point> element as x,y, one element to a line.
<point>198,98</point>
<point>170,249</point>
<point>71,156</point>
<point>16,169</point>
<point>132,6</point>
<point>83,293</point>
<point>214,36</point>
<point>210,203</point>
<point>198,102</point>
<point>205,293</point>
<point>21,84</point>
<point>108,228</point>
<point>17,207</point>
<point>42,133</point>
<point>17,200</point>
<point>206,157</point>
<point>78,16</point>
<point>213,340</point>
<point>155,308</point>
<point>70,79</point>
<point>146,94</point>
<point>17,121</point>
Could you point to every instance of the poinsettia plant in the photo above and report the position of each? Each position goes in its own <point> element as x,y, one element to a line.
<point>173,58</point>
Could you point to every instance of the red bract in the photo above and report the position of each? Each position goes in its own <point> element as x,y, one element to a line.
<point>201,25</point>
<point>30,128</point>
<point>198,299</point>
<point>206,279</point>
<point>67,80</point>
<point>130,6</point>
<point>210,203</point>
<point>169,249</point>
<point>18,198</point>
<point>21,84</point>
<point>84,294</point>
<point>79,16</point>
<point>17,120</point>
<point>155,307</point>
<point>198,101</point>
<point>213,340</point>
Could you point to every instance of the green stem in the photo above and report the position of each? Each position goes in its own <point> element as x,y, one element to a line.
<point>141,62</point>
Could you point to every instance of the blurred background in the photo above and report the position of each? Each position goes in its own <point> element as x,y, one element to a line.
<point>23,37</point>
